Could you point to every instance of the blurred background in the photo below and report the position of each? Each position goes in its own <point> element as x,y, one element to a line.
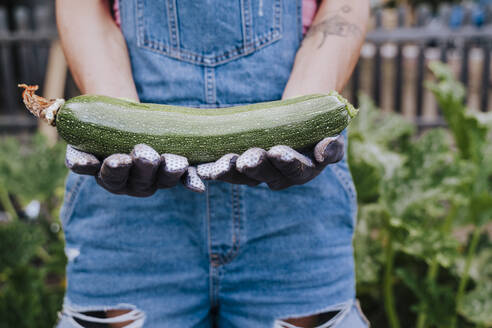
<point>420,153</point>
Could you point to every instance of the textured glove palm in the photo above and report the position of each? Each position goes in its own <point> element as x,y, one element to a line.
<point>280,167</point>
<point>139,173</point>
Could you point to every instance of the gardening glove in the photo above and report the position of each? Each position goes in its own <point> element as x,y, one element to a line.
<point>280,167</point>
<point>138,174</point>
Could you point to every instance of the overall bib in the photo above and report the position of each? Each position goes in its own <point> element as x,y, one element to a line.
<point>234,256</point>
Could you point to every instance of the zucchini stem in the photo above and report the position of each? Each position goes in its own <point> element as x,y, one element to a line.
<point>45,109</point>
<point>351,110</point>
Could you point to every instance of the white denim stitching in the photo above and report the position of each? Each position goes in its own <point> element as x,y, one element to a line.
<point>135,315</point>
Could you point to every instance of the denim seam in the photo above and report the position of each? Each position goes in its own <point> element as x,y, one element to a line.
<point>211,61</point>
<point>255,43</point>
<point>229,256</point>
<point>214,274</point>
<point>221,259</point>
<point>210,90</point>
<point>299,20</point>
<point>246,23</point>
<point>172,23</point>
<point>139,23</point>
<point>213,257</point>
<point>211,269</point>
<point>349,188</point>
<point>277,17</point>
<point>71,199</point>
<point>345,182</point>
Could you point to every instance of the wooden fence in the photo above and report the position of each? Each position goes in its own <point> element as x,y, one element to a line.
<point>391,70</point>
<point>401,43</point>
<point>26,33</point>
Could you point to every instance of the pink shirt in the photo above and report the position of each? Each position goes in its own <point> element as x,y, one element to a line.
<point>309,8</point>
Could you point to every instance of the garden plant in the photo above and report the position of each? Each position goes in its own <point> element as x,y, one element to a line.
<point>423,255</point>
<point>422,246</point>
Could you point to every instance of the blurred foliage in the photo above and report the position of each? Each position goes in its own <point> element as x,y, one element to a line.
<point>414,3</point>
<point>423,257</point>
<point>32,261</point>
<point>417,193</point>
<point>32,171</point>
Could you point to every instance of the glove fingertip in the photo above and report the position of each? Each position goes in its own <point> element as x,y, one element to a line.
<point>285,154</point>
<point>329,150</point>
<point>114,172</point>
<point>172,168</point>
<point>174,163</point>
<point>224,165</point>
<point>80,162</point>
<point>145,153</point>
<point>192,181</point>
<point>250,158</point>
<point>204,171</point>
<point>117,160</point>
<point>83,169</point>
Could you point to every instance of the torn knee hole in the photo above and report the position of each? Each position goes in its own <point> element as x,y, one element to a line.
<point>115,318</point>
<point>104,315</point>
<point>312,321</point>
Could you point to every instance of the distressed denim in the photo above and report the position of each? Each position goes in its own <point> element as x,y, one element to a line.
<point>234,256</point>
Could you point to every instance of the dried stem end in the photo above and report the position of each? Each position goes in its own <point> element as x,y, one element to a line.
<point>43,108</point>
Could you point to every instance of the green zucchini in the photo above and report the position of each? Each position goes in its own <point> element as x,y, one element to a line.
<point>103,125</point>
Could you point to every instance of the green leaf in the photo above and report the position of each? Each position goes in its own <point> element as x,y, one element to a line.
<point>470,136</point>
<point>32,170</point>
<point>19,242</point>
<point>428,244</point>
<point>27,300</point>
<point>481,208</point>
<point>435,300</point>
<point>385,129</point>
<point>368,244</point>
<point>371,164</point>
<point>476,305</point>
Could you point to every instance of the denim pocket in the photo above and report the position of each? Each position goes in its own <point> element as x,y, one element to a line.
<point>207,33</point>
<point>73,186</point>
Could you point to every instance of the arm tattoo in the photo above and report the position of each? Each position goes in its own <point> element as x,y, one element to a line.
<point>334,25</point>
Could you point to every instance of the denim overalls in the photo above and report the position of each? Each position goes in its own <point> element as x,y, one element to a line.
<point>235,256</point>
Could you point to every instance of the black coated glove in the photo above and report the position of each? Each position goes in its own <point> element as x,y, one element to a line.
<point>280,167</point>
<point>138,174</point>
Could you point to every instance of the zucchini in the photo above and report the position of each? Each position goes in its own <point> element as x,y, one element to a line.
<point>103,125</point>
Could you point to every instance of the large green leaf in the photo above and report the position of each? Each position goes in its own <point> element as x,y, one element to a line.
<point>470,136</point>
<point>436,300</point>
<point>385,129</point>
<point>476,305</point>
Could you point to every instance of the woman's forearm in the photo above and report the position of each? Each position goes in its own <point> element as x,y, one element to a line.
<point>95,48</point>
<point>330,49</point>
